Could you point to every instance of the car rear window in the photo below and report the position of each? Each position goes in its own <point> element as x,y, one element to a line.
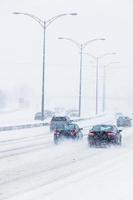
<point>70,127</point>
<point>121,118</point>
<point>59,119</point>
<point>124,118</point>
<point>102,128</point>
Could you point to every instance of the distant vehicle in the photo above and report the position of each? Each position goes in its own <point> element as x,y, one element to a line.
<point>103,134</point>
<point>59,122</point>
<point>72,113</point>
<point>118,114</point>
<point>47,113</point>
<point>124,121</point>
<point>38,116</point>
<point>70,131</point>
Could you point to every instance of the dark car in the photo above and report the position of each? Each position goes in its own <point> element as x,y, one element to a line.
<point>58,122</point>
<point>118,114</point>
<point>70,131</point>
<point>104,134</point>
<point>46,114</point>
<point>124,121</point>
<point>39,116</point>
<point>72,113</point>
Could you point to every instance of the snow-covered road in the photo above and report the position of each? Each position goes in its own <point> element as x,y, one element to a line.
<point>32,167</point>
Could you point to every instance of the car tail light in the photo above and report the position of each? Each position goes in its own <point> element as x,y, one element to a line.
<point>110,134</point>
<point>91,133</point>
<point>74,133</point>
<point>57,133</point>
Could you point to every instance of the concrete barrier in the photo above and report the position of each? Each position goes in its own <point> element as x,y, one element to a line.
<point>34,125</point>
<point>22,126</point>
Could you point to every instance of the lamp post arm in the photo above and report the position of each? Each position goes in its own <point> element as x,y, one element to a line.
<point>111,63</point>
<point>106,54</point>
<point>71,40</point>
<point>86,43</point>
<point>48,22</point>
<point>41,22</point>
<point>93,40</point>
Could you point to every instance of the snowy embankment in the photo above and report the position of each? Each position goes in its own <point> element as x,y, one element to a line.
<point>24,119</point>
<point>32,167</point>
<point>20,120</point>
<point>17,117</point>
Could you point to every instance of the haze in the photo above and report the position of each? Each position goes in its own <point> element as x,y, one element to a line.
<point>21,51</point>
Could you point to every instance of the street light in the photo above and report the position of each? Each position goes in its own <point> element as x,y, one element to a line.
<point>81,46</point>
<point>44,24</point>
<point>97,72</point>
<point>104,84</point>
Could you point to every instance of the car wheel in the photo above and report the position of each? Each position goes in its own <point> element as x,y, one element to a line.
<point>91,142</point>
<point>56,140</point>
<point>118,125</point>
<point>120,141</point>
<point>130,124</point>
<point>81,136</point>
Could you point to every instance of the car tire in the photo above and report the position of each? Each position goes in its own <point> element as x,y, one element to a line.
<point>91,143</point>
<point>120,141</point>
<point>80,136</point>
<point>56,140</point>
<point>118,125</point>
<point>129,125</point>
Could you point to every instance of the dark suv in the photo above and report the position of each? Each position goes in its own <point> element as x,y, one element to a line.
<point>39,116</point>
<point>70,131</point>
<point>59,122</point>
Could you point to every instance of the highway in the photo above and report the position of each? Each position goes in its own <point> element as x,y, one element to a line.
<point>32,167</point>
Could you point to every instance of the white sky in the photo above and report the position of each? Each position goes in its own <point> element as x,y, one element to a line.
<point>21,47</point>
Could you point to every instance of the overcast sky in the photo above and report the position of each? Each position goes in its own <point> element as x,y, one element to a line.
<point>21,47</point>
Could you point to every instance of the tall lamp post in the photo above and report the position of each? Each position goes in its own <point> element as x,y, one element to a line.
<point>81,46</point>
<point>44,24</point>
<point>97,58</point>
<point>104,84</point>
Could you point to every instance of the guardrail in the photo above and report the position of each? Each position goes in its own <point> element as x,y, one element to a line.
<point>34,125</point>
<point>88,118</point>
<point>22,126</point>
